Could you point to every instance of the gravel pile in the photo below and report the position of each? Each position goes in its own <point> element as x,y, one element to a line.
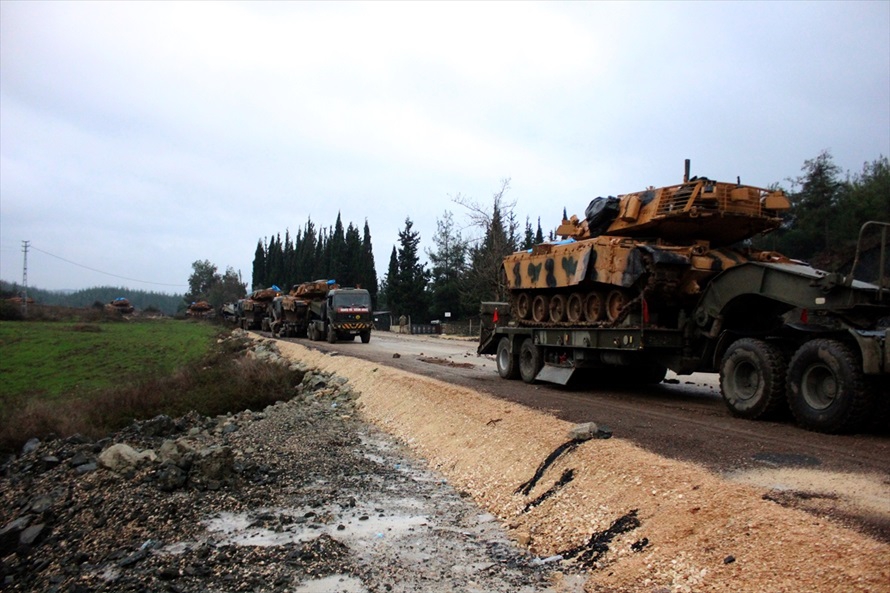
<point>301,497</point>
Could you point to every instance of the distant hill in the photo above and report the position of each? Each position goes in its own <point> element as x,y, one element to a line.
<point>166,303</point>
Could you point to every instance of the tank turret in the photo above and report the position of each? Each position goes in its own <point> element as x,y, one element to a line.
<point>698,209</point>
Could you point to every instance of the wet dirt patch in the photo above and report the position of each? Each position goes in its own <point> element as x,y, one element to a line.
<point>446,362</point>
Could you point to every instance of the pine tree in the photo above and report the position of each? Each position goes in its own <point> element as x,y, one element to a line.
<point>449,264</point>
<point>258,273</point>
<point>336,254</point>
<point>352,256</point>
<point>367,270</point>
<point>392,281</point>
<point>412,298</point>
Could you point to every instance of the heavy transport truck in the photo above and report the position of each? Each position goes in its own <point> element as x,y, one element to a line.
<point>321,309</point>
<point>343,314</point>
<point>659,280</point>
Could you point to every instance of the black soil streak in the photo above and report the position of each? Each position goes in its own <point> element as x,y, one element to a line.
<point>596,547</point>
<point>525,488</point>
<point>566,477</point>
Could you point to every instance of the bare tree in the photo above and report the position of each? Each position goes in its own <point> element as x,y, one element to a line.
<point>497,237</point>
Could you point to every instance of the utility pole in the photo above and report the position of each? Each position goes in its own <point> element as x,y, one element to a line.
<point>25,245</point>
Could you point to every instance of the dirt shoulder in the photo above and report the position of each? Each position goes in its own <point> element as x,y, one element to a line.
<point>637,521</point>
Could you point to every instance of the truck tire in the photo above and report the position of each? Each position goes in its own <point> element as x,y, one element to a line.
<point>531,360</point>
<point>332,335</point>
<point>827,391</point>
<point>366,336</point>
<point>752,379</point>
<point>508,362</point>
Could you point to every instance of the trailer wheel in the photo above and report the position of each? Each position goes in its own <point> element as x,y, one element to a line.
<point>332,335</point>
<point>366,336</point>
<point>752,378</point>
<point>508,362</point>
<point>531,360</point>
<point>827,391</point>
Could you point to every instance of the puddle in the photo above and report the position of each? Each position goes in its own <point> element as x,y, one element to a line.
<point>359,525</point>
<point>338,583</point>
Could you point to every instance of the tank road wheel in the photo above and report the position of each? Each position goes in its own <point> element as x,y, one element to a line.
<point>508,362</point>
<point>752,378</point>
<point>541,308</point>
<point>826,387</point>
<point>557,308</point>
<point>593,307</point>
<point>523,305</point>
<point>575,307</point>
<point>615,302</point>
<point>332,335</point>
<point>531,360</point>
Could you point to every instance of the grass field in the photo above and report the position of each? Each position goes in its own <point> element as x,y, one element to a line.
<point>65,378</point>
<point>51,359</point>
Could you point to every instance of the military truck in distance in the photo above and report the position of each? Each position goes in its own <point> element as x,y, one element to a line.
<point>653,280</point>
<point>342,314</point>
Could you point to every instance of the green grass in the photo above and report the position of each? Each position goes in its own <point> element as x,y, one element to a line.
<point>65,378</point>
<point>51,359</point>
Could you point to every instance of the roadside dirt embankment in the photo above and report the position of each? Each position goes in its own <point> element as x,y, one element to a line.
<point>638,521</point>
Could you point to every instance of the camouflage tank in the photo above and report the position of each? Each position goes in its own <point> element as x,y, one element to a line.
<point>643,256</point>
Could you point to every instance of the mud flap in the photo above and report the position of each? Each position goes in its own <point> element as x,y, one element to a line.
<point>554,374</point>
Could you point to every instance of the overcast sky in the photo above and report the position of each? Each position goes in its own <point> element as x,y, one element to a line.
<point>136,138</point>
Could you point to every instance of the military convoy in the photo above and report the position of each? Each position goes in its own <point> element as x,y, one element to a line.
<point>660,279</point>
<point>320,309</point>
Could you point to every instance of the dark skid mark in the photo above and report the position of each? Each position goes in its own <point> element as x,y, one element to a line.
<point>525,488</point>
<point>566,477</point>
<point>596,547</point>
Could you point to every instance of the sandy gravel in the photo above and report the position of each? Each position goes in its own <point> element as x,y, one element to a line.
<point>643,523</point>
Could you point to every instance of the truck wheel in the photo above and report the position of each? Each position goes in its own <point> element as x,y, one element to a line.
<point>332,335</point>
<point>508,363</point>
<point>366,337</point>
<point>312,333</point>
<point>752,378</point>
<point>531,360</point>
<point>826,387</point>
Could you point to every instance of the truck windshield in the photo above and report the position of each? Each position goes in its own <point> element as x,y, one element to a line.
<point>352,300</point>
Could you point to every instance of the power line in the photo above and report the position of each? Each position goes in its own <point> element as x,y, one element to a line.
<point>68,261</point>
